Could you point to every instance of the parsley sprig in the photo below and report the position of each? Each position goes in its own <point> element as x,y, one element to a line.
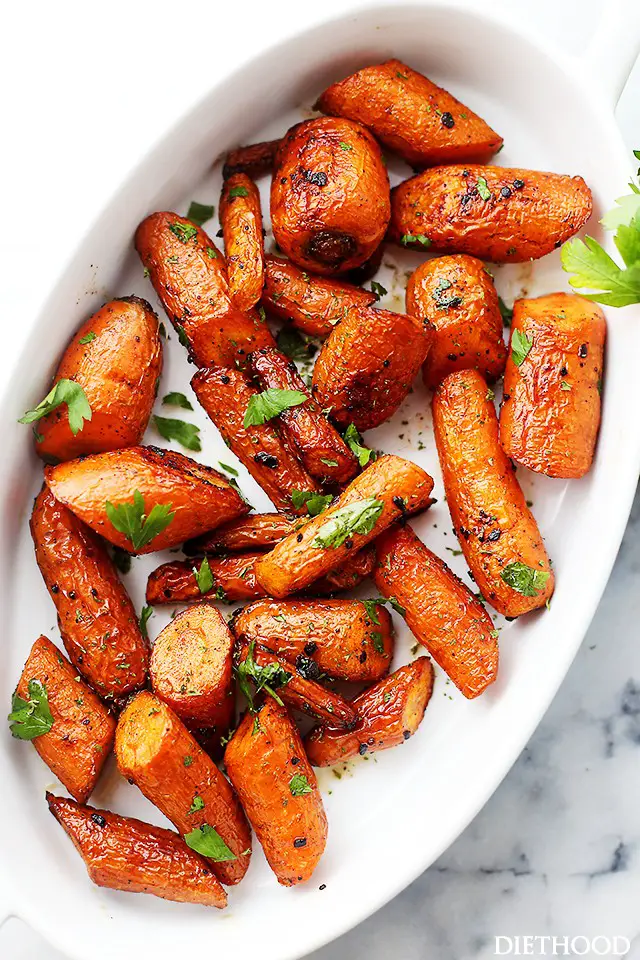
<point>131,520</point>
<point>30,718</point>
<point>353,440</point>
<point>207,841</point>
<point>65,391</point>
<point>266,678</point>
<point>270,403</point>
<point>358,517</point>
<point>524,579</point>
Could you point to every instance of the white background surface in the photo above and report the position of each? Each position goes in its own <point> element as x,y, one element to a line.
<point>85,91</point>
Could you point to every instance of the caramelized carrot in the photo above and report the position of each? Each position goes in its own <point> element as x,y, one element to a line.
<point>497,532</point>
<point>189,275</point>
<point>199,497</point>
<point>177,581</point>
<point>551,408</point>
<point>323,452</point>
<point>336,637</point>
<point>254,159</point>
<point>268,767</point>
<point>441,611</point>
<point>97,621</point>
<point>381,494</point>
<point>81,736</point>
<point>241,221</point>
<point>388,714</point>
<point>247,533</point>
<point>312,304</point>
<point>156,752</point>
<point>122,853</point>
<point>225,396</point>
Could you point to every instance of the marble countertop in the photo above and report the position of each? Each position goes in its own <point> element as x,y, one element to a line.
<point>556,851</point>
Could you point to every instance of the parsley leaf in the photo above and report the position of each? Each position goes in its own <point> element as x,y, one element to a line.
<point>523,579</point>
<point>183,339</point>
<point>207,841</point>
<point>270,403</point>
<point>175,399</point>
<point>238,192</point>
<point>199,213</point>
<point>185,433</point>
<point>197,804</point>
<point>505,312</point>
<point>371,607</point>
<point>230,470</point>
<point>131,520</point>
<point>378,289</point>
<point>30,718</point>
<point>88,337</point>
<point>520,347</point>
<point>354,441</point>
<point>358,517</point>
<point>294,345</point>
<point>483,188</point>
<point>183,231</point>
<point>204,577</point>
<point>65,391</point>
<point>315,502</point>
<point>299,785</point>
<point>265,678</point>
<point>408,238</point>
<point>145,615</point>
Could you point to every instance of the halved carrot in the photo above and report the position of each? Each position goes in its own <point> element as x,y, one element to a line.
<point>368,364</point>
<point>267,765</point>
<point>248,533</point>
<point>116,357</point>
<point>225,395</point>
<point>497,532</point>
<point>323,452</point>
<point>384,492</point>
<point>199,497</point>
<point>241,222</point>
<point>189,275</point>
<point>155,751</point>
<point>254,159</point>
<point>550,412</point>
<point>388,714</point>
<point>312,304</point>
<point>123,853</point>
<point>191,667</point>
<point>81,736</point>
<point>410,115</point>
<point>336,637</point>
<point>501,214</point>
<point>441,611</point>
<point>97,621</point>
<point>302,691</point>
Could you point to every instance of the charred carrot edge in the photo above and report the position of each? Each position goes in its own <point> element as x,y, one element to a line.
<point>254,159</point>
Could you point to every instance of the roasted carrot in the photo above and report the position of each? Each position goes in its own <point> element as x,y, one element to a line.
<point>267,765</point>
<point>312,304</point>
<point>177,581</point>
<point>247,533</point>
<point>368,364</point>
<point>410,115</point>
<point>497,532</point>
<point>551,404</point>
<point>388,714</point>
<point>156,752</point>
<point>241,222</point>
<point>97,621</point>
<point>225,395</point>
<point>458,297</point>
<point>342,638</point>
<point>81,734</point>
<point>329,195</point>
<point>188,498</point>
<point>254,159</point>
<point>441,611</point>
<point>189,275</point>
<point>191,667</point>
<point>302,691</point>
<point>347,575</point>
<point>494,213</point>
<point>323,452</point>
<point>116,358</point>
<point>384,492</point>
<point>123,853</point>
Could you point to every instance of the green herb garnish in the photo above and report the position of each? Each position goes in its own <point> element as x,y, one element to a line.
<point>270,403</point>
<point>359,517</point>
<point>131,520</point>
<point>183,231</point>
<point>353,440</point>
<point>199,213</point>
<point>266,678</point>
<point>408,238</point>
<point>315,502</point>
<point>207,841</point>
<point>238,192</point>
<point>523,579</point>
<point>65,391</point>
<point>88,337</point>
<point>204,577</point>
<point>175,399</point>
<point>299,785</point>
<point>520,347</point>
<point>483,188</point>
<point>30,718</point>
<point>145,615</point>
<point>185,433</point>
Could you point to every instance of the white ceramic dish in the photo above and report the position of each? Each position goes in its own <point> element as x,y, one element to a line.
<point>392,816</point>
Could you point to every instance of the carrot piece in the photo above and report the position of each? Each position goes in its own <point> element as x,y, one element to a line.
<point>388,714</point>
<point>241,222</point>
<point>268,767</point>
<point>254,159</point>
<point>247,533</point>
<point>497,532</point>
<point>81,736</point>
<point>233,579</point>
<point>550,413</point>
<point>123,853</point>
<point>441,611</point>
